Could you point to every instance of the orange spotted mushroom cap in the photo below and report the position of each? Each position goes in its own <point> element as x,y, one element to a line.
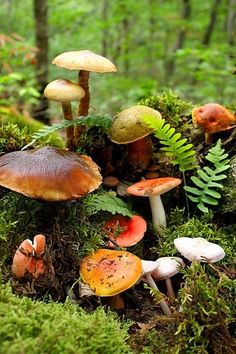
<point>49,174</point>
<point>110,272</point>
<point>155,186</point>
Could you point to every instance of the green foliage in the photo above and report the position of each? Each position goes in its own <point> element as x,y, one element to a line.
<point>204,226</point>
<point>12,137</point>
<point>102,121</point>
<point>38,327</point>
<point>175,147</point>
<point>207,181</point>
<point>106,201</point>
<point>170,105</point>
<point>205,313</point>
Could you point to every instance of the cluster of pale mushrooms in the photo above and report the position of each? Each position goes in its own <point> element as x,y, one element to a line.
<point>52,174</point>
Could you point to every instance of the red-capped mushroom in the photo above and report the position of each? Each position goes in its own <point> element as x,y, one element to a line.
<point>213,118</point>
<point>132,230</point>
<point>28,258</point>
<point>153,189</point>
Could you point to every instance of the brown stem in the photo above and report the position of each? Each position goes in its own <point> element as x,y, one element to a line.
<point>140,152</point>
<point>115,302</point>
<point>67,112</point>
<point>84,103</point>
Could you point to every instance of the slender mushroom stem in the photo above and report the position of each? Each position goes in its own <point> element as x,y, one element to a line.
<point>83,108</point>
<point>68,115</point>
<point>170,290</point>
<point>165,308</point>
<point>158,212</point>
<point>115,302</point>
<point>140,152</point>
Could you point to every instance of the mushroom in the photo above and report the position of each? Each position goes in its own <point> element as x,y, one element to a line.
<point>28,258</point>
<point>154,188</point>
<point>85,61</point>
<point>167,268</point>
<point>129,128</point>
<point>110,272</point>
<point>65,91</point>
<point>49,174</point>
<point>199,249</point>
<point>148,268</point>
<point>132,230</point>
<point>213,118</point>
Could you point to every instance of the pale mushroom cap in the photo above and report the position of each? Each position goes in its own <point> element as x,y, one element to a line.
<point>199,249</point>
<point>110,272</point>
<point>155,186</point>
<point>128,125</point>
<point>49,174</point>
<point>149,266</point>
<point>84,60</point>
<point>168,267</point>
<point>63,91</point>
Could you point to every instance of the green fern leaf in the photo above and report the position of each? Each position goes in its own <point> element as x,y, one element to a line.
<point>175,148</point>
<point>208,179</point>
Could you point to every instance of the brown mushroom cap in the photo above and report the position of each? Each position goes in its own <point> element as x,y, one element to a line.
<point>128,125</point>
<point>84,60</point>
<point>63,91</point>
<point>110,272</point>
<point>49,174</point>
<point>155,186</point>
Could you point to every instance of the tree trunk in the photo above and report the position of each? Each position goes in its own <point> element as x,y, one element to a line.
<point>230,22</point>
<point>41,41</point>
<point>212,22</point>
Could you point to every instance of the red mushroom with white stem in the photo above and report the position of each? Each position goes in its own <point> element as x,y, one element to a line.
<point>153,189</point>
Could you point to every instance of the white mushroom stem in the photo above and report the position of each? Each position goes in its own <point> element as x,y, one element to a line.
<point>67,112</point>
<point>170,289</point>
<point>158,212</point>
<point>165,308</point>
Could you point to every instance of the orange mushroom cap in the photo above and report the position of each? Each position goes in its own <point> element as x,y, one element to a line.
<point>134,229</point>
<point>213,118</point>
<point>155,186</point>
<point>49,174</point>
<point>110,272</point>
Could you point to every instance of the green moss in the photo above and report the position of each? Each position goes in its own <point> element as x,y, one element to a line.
<point>170,105</point>
<point>12,137</point>
<point>36,327</point>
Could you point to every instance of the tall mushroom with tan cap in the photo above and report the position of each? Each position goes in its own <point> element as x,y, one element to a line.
<point>49,174</point>
<point>153,189</point>
<point>85,61</point>
<point>65,91</point>
<point>129,128</point>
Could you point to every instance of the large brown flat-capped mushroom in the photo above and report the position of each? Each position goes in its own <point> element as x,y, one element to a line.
<point>213,118</point>
<point>129,128</point>
<point>65,91</point>
<point>110,272</point>
<point>85,61</point>
<point>153,189</point>
<point>49,174</point>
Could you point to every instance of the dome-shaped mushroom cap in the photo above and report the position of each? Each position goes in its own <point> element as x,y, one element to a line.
<point>49,174</point>
<point>110,272</point>
<point>84,60</point>
<point>199,249</point>
<point>155,186</point>
<point>168,267</point>
<point>128,125</point>
<point>63,91</point>
<point>149,266</point>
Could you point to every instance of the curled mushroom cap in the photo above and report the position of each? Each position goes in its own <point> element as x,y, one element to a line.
<point>132,232</point>
<point>167,267</point>
<point>213,118</point>
<point>84,60</point>
<point>128,125</point>
<point>63,91</point>
<point>49,174</point>
<point>110,272</point>
<point>199,249</point>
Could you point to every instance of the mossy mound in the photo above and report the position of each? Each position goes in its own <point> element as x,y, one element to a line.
<point>37,327</point>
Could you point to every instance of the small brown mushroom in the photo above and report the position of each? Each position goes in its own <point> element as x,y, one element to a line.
<point>49,174</point>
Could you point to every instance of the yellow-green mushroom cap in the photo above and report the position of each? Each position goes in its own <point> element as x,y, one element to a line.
<point>128,125</point>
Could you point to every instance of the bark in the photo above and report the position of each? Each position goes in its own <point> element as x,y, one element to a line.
<point>212,22</point>
<point>41,41</point>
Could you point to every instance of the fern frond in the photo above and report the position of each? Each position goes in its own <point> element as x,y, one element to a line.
<point>208,179</point>
<point>106,201</point>
<point>175,147</point>
<point>103,121</point>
